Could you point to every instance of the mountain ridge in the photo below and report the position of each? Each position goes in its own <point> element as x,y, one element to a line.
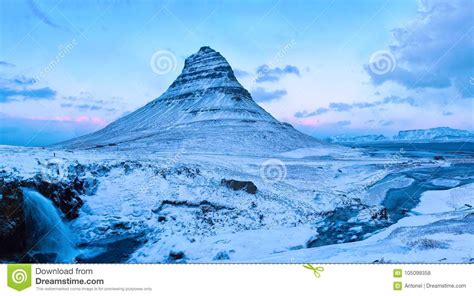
<point>436,134</point>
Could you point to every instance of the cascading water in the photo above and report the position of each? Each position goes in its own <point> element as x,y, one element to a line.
<point>46,231</point>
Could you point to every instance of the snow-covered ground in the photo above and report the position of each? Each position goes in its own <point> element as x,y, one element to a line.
<point>204,174</point>
<point>441,229</point>
<point>175,207</point>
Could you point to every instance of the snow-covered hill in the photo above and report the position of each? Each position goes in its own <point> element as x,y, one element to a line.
<point>432,135</point>
<point>438,134</point>
<point>204,109</point>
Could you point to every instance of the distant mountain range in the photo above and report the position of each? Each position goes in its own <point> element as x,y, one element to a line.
<point>438,134</point>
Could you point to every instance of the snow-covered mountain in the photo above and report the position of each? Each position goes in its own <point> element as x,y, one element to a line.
<point>357,139</point>
<point>438,134</point>
<point>204,109</point>
<point>189,178</point>
<point>432,135</point>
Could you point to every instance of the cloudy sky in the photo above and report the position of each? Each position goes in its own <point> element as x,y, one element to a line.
<point>328,67</point>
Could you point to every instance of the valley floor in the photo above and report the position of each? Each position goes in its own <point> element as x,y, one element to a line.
<point>321,204</point>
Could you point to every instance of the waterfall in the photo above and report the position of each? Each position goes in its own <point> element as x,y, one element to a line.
<point>47,233</point>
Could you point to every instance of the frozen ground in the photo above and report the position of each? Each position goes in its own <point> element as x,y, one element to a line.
<point>175,207</point>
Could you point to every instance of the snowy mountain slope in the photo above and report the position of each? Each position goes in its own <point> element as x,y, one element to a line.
<point>432,135</point>
<point>442,134</point>
<point>204,109</point>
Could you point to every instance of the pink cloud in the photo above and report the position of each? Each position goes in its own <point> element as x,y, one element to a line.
<point>82,119</point>
<point>308,121</point>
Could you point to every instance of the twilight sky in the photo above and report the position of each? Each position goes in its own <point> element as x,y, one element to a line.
<point>327,67</point>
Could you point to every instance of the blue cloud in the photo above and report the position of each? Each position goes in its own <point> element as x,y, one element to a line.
<point>82,106</point>
<point>262,95</point>
<point>40,14</point>
<point>8,94</point>
<point>23,81</point>
<point>434,50</point>
<point>343,123</point>
<point>88,107</point>
<point>342,107</point>
<point>318,111</point>
<point>6,64</point>
<point>267,74</point>
<point>386,122</point>
<point>397,100</point>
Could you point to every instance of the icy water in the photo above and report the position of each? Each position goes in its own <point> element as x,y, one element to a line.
<point>400,201</point>
<point>419,150</point>
<point>110,250</point>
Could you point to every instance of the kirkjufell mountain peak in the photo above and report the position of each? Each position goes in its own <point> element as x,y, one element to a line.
<point>204,109</point>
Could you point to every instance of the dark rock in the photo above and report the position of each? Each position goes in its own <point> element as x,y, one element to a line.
<point>222,255</point>
<point>12,221</point>
<point>204,205</point>
<point>63,195</point>
<point>176,255</point>
<point>236,185</point>
<point>122,225</point>
<point>438,157</point>
<point>380,215</point>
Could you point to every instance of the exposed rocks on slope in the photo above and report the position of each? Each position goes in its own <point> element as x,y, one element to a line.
<point>236,185</point>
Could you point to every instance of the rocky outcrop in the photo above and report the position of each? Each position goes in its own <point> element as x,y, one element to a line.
<point>12,220</point>
<point>236,185</point>
<point>65,196</point>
